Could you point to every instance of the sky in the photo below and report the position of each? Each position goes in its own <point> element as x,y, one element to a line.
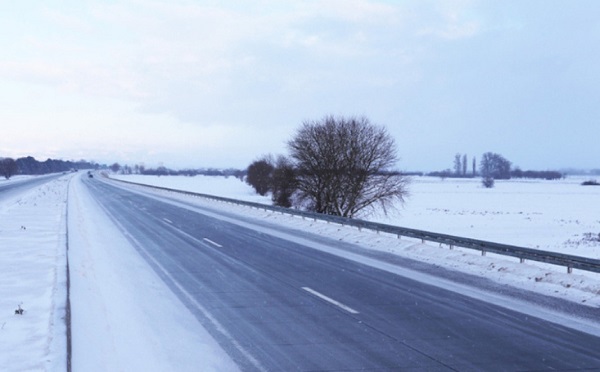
<point>189,84</point>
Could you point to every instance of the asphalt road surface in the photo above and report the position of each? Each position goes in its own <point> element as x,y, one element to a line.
<point>10,188</point>
<point>277,305</point>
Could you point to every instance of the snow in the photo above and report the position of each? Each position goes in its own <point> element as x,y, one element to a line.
<point>33,266</point>
<point>111,283</point>
<point>227,187</point>
<point>549,215</point>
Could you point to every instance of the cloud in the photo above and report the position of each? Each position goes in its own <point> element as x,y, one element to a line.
<point>145,50</point>
<point>448,20</point>
<point>35,72</point>
<point>355,11</point>
<point>220,73</point>
<point>63,20</point>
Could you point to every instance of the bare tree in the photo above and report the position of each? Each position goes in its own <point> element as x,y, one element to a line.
<point>345,165</point>
<point>457,164</point>
<point>115,167</point>
<point>495,166</point>
<point>8,167</point>
<point>464,165</point>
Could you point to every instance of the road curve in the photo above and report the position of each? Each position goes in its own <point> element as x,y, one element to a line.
<point>277,305</point>
<point>11,188</point>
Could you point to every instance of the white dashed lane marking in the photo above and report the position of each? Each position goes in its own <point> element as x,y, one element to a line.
<point>213,243</point>
<point>331,300</point>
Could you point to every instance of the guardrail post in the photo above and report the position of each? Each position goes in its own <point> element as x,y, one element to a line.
<point>451,247</point>
<point>483,252</point>
<point>522,260</point>
<point>569,269</point>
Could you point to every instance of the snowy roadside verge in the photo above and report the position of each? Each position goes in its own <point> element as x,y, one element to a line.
<point>33,266</point>
<point>124,317</point>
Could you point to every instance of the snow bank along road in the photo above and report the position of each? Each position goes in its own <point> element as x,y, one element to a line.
<point>33,267</point>
<point>274,303</point>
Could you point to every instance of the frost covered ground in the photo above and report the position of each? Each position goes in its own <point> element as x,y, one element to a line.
<point>106,271</point>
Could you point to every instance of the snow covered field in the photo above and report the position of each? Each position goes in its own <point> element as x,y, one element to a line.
<point>106,272</point>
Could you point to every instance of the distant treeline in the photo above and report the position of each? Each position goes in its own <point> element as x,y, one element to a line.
<point>29,166</point>
<point>515,173</point>
<point>164,171</point>
<point>492,166</point>
<point>229,172</point>
<point>547,175</point>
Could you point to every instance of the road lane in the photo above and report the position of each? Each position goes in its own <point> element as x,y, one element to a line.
<point>247,288</point>
<point>8,189</point>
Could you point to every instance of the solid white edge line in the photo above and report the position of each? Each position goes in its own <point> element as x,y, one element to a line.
<point>213,243</point>
<point>331,300</point>
<point>168,220</point>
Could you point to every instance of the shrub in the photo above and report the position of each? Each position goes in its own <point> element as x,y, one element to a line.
<point>488,182</point>
<point>590,183</point>
<point>259,175</point>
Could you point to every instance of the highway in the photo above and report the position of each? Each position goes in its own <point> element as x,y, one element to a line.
<point>14,187</point>
<point>278,305</point>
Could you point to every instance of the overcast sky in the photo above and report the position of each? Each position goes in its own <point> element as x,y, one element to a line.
<point>219,83</point>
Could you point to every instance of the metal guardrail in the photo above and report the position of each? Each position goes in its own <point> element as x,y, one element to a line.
<point>569,261</point>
